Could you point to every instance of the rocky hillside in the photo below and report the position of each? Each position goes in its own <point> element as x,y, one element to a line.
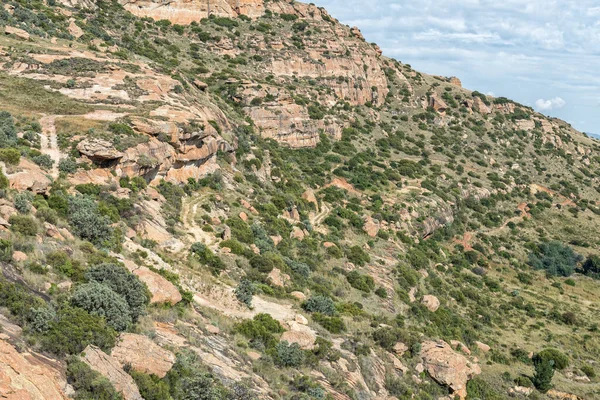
<point>243,199</point>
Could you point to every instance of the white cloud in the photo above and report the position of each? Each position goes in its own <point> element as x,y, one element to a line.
<point>550,104</point>
<point>522,49</point>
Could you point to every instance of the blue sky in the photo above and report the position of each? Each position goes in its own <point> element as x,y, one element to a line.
<point>542,53</point>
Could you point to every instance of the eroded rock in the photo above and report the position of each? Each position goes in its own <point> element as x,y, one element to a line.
<point>143,355</point>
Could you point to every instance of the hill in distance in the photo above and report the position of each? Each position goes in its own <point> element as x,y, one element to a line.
<point>246,200</point>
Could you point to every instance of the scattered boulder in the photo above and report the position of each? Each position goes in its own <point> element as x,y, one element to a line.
<point>482,346</point>
<point>298,295</point>
<point>244,216</point>
<point>301,334</point>
<point>400,348</point>
<point>143,354</point>
<point>431,302</point>
<point>212,329</point>
<point>371,226</point>
<point>448,367</point>
<point>111,369</point>
<point>19,256</point>
<point>278,278</point>
<point>226,234</point>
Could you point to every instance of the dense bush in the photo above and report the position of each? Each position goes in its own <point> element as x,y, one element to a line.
<point>555,258</point>
<point>244,292</point>
<point>332,324</point>
<point>23,224</point>
<point>361,282</point>
<point>591,266</point>
<point>8,131</point>
<point>288,355</point>
<point>87,221</point>
<point>124,283</point>
<point>561,361</point>
<point>89,384</point>
<point>261,330</point>
<point>101,300</point>
<point>74,329</point>
<point>357,256</point>
<point>10,156</point>
<point>320,304</point>
<point>151,387</point>
<point>544,371</point>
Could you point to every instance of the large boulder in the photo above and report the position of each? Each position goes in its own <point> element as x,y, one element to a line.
<point>143,355</point>
<point>111,369</point>
<point>162,290</point>
<point>29,176</point>
<point>431,302</point>
<point>98,150</point>
<point>28,376</point>
<point>448,367</point>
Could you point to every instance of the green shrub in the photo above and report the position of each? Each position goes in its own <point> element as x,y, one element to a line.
<point>591,266</point>
<point>555,258</point>
<point>266,262</point>
<point>68,165</point>
<point>334,325</point>
<point>87,221</point>
<point>10,156</point>
<point>235,246</point>
<point>386,337</point>
<point>358,256</point>
<point>477,388</point>
<point>244,292</point>
<point>124,283</point>
<point>89,384</point>
<point>320,304</point>
<point>589,371</point>
<point>6,250</point>
<point>261,330</point>
<point>288,355</point>
<point>561,361</point>
<point>8,131</point>
<point>23,224</point>
<point>207,257</point>
<point>101,300</point>
<point>44,161</point>
<point>361,282</point>
<point>74,329</point>
<point>523,381</point>
<point>151,386</point>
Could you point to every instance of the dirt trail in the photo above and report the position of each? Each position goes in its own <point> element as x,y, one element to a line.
<point>49,142</point>
<point>193,229</point>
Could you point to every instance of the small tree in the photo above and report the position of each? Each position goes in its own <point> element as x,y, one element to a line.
<point>544,371</point>
<point>591,266</point>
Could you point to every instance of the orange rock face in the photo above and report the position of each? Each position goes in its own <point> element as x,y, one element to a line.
<point>448,367</point>
<point>25,376</point>
<point>143,354</point>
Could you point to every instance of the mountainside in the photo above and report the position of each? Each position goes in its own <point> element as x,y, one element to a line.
<point>243,199</point>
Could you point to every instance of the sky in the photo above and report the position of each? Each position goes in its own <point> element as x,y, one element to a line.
<point>541,53</point>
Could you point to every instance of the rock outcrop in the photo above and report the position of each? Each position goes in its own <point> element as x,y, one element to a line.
<point>28,376</point>
<point>111,369</point>
<point>143,355</point>
<point>162,290</point>
<point>448,367</point>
